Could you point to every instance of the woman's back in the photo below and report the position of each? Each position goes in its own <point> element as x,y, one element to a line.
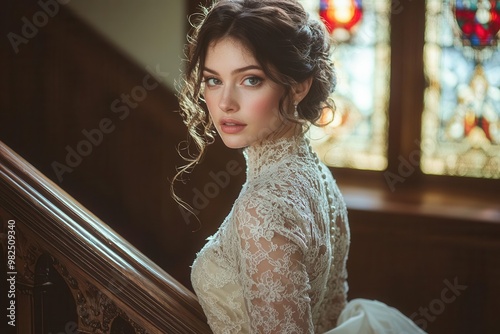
<point>280,255</point>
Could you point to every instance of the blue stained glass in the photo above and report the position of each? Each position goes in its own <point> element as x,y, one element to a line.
<point>461,119</point>
<point>357,134</point>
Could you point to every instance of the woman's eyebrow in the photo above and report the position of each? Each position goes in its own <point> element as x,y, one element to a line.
<point>238,70</point>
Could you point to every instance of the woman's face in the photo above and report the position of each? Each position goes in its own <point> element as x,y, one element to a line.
<point>243,102</point>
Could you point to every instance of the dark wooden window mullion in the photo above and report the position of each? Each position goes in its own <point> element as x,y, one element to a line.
<point>407,90</point>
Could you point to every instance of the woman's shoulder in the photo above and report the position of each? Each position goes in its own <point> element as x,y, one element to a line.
<point>266,212</point>
<point>280,188</point>
<point>264,193</point>
<point>275,201</point>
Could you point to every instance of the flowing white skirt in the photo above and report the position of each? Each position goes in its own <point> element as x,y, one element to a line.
<point>362,316</point>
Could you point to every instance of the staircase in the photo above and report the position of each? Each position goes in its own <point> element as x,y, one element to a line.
<point>72,273</point>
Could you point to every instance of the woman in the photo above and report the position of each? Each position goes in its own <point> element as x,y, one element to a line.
<point>277,264</point>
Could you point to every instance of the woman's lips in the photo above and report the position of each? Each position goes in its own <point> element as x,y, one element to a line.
<point>231,126</point>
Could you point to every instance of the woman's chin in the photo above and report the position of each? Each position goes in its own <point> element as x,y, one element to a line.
<point>235,144</point>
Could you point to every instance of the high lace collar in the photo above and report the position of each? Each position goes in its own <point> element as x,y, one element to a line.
<point>266,154</point>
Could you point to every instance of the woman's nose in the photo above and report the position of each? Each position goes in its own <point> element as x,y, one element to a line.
<point>228,100</point>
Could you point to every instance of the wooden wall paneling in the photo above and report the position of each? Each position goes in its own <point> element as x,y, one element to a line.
<point>408,261</point>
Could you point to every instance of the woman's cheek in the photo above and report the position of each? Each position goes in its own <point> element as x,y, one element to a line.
<point>209,101</point>
<point>264,108</point>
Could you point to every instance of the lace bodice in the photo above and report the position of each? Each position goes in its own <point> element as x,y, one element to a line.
<point>277,264</point>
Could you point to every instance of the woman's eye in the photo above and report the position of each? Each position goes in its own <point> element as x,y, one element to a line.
<point>252,81</point>
<point>212,82</point>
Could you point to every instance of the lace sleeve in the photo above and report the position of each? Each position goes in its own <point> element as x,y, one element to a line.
<point>272,269</point>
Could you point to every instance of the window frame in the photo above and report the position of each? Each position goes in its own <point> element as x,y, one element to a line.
<point>411,189</point>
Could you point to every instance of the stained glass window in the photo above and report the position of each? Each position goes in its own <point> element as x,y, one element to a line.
<point>356,134</point>
<point>461,119</point>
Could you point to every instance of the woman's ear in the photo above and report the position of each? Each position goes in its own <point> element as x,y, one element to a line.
<point>301,89</point>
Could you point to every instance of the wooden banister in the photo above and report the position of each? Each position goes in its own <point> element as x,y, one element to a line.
<point>108,278</point>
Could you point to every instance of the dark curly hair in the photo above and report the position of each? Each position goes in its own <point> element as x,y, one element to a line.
<point>289,46</point>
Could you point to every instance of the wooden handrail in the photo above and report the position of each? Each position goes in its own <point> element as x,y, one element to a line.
<point>90,256</point>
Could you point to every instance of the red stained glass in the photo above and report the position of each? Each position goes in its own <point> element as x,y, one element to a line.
<point>479,22</point>
<point>340,14</point>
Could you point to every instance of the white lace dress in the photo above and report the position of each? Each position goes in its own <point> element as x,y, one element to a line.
<point>277,264</point>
